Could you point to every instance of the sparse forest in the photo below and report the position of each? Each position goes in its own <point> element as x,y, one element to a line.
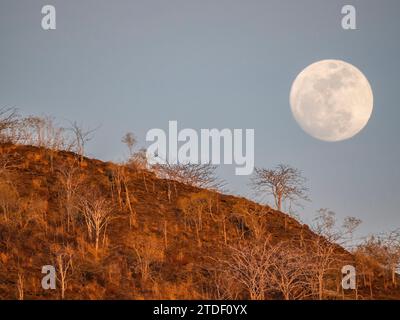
<point>133,231</point>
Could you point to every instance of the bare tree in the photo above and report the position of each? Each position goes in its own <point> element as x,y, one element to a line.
<point>8,119</point>
<point>139,160</point>
<point>43,132</point>
<point>289,273</point>
<point>366,266</point>
<point>148,251</point>
<point>326,251</point>
<point>82,136</point>
<point>119,185</point>
<point>349,226</point>
<point>325,225</point>
<point>251,217</point>
<point>249,265</point>
<point>130,141</point>
<point>322,264</point>
<point>193,208</point>
<point>5,164</point>
<point>284,183</point>
<point>63,259</point>
<point>9,200</point>
<point>20,285</point>
<point>371,262</point>
<point>196,175</point>
<point>70,183</point>
<point>97,213</point>
<point>225,287</point>
<point>392,251</point>
<point>270,269</point>
<point>384,251</point>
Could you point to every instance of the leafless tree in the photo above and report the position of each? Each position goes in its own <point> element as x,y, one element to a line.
<point>82,137</point>
<point>8,119</point>
<point>20,285</point>
<point>289,273</point>
<point>392,251</point>
<point>267,269</point>
<point>138,160</point>
<point>370,260</point>
<point>119,185</point>
<point>251,217</point>
<point>384,251</point>
<point>148,251</point>
<point>4,165</point>
<point>63,262</point>
<point>97,213</point>
<point>193,208</point>
<point>325,225</point>
<point>284,183</point>
<point>322,264</point>
<point>326,253</point>
<point>44,132</point>
<point>9,200</point>
<point>196,175</point>
<point>365,269</point>
<point>225,287</point>
<point>249,265</point>
<point>349,226</point>
<point>130,141</point>
<point>70,183</point>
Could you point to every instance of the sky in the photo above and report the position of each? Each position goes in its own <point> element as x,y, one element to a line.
<point>135,65</point>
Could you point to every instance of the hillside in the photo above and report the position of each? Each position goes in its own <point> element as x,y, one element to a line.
<point>119,232</point>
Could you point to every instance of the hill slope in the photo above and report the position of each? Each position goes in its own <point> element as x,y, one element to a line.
<point>119,232</point>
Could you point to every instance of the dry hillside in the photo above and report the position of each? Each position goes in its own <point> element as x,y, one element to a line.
<point>119,232</point>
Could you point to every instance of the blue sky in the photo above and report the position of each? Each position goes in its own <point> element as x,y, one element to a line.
<point>135,65</point>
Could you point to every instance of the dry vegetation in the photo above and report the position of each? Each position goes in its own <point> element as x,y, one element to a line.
<point>126,231</point>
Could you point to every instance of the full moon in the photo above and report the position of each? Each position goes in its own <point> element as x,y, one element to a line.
<point>331,100</point>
